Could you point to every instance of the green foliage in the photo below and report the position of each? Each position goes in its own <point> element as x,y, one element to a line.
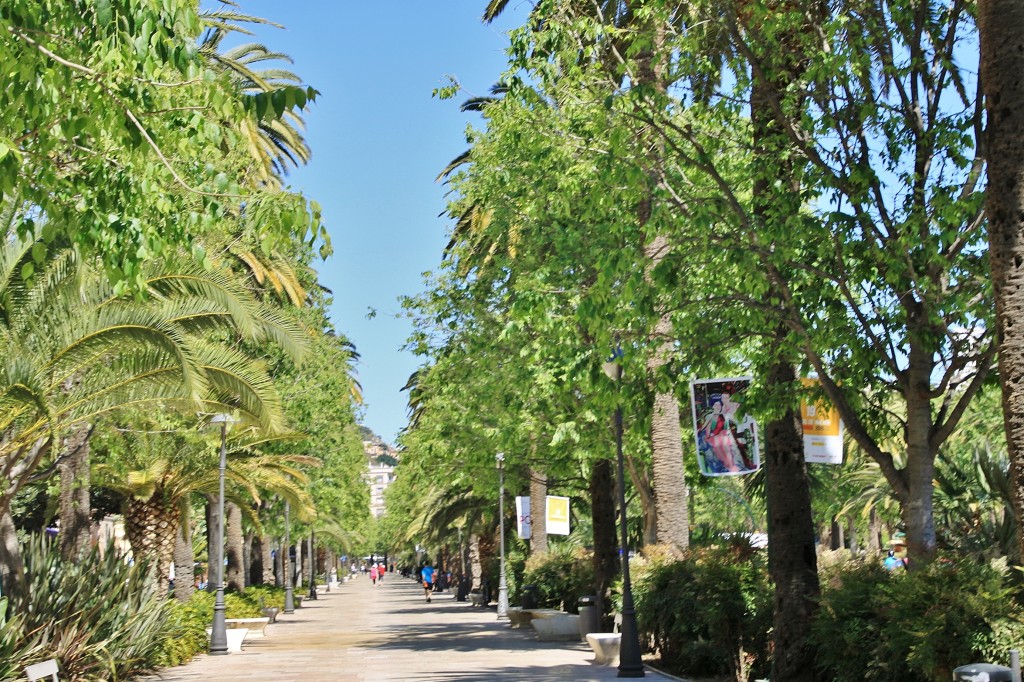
<point>561,575</point>
<point>98,616</point>
<point>709,614</point>
<point>188,621</point>
<point>915,626</point>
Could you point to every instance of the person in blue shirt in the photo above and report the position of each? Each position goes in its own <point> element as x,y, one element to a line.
<point>427,576</point>
<point>893,562</point>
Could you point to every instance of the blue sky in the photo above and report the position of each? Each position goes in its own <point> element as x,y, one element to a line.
<point>379,139</point>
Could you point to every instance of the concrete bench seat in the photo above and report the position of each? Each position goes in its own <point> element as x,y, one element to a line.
<point>605,646</point>
<point>254,625</point>
<point>520,618</point>
<point>235,637</point>
<point>563,627</point>
<point>271,613</point>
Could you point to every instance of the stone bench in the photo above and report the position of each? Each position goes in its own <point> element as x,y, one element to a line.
<point>271,613</point>
<point>254,625</point>
<point>563,627</point>
<point>605,646</point>
<point>235,637</point>
<point>520,618</point>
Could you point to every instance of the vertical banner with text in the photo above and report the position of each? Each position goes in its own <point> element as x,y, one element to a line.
<point>823,431</point>
<point>557,515</point>
<point>523,517</point>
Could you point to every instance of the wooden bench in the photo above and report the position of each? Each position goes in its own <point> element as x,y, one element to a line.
<point>254,625</point>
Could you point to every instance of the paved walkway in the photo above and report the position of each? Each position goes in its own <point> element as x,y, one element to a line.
<point>366,633</point>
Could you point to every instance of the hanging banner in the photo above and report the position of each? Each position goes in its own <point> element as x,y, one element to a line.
<point>557,515</point>
<point>726,433</point>
<point>823,431</point>
<point>523,517</point>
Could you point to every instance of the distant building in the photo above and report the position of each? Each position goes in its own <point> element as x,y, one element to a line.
<point>381,460</point>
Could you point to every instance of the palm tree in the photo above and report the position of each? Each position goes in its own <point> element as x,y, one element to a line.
<point>74,349</point>
<point>158,472</point>
<point>275,142</point>
<point>1001,27</point>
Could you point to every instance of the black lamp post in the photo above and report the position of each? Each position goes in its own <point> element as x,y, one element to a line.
<point>286,562</point>
<point>630,660</point>
<point>502,584</point>
<point>219,632</point>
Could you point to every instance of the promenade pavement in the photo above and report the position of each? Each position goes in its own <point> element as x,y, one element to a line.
<point>359,632</point>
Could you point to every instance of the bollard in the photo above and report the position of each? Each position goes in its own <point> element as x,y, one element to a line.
<point>1015,665</point>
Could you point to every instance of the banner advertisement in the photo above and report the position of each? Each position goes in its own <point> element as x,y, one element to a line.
<point>523,517</point>
<point>726,433</point>
<point>823,432</point>
<point>557,515</point>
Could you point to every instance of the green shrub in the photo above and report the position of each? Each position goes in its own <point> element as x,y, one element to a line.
<point>917,626</point>
<point>98,616</point>
<point>561,575</point>
<point>708,614</point>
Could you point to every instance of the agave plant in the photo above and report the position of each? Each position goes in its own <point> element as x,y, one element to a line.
<point>99,616</point>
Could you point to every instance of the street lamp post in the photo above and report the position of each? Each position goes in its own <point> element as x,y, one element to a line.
<point>630,660</point>
<point>286,562</point>
<point>219,632</point>
<point>502,584</point>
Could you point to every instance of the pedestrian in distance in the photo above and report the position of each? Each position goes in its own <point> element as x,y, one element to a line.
<point>373,574</point>
<point>381,570</point>
<point>427,576</point>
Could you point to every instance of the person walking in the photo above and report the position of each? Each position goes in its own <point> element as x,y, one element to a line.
<point>381,570</point>
<point>427,576</point>
<point>373,574</point>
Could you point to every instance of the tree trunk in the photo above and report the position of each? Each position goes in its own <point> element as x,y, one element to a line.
<point>151,527</point>
<point>602,509</point>
<point>476,568</point>
<point>670,499</point>
<point>254,559</point>
<point>184,562</point>
<point>234,571</point>
<point>538,511</point>
<point>299,564</point>
<point>851,534</point>
<point>1001,28</point>
<point>74,504</point>
<point>648,507</point>
<point>793,565</point>
<point>874,532</point>
<point>12,570</point>
<point>791,552</point>
<point>214,551</point>
<point>266,561</point>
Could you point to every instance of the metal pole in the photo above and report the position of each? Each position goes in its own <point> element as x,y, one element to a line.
<point>219,633</point>
<point>630,661</point>
<point>312,568</point>
<point>502,584</point>
<point>289,583</point>
<point>1015,665</point>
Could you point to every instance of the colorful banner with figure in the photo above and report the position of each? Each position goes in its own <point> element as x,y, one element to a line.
<point>726,433</point>
<point>823,431</point>
<point>557,515</point>
<point>523,517</point>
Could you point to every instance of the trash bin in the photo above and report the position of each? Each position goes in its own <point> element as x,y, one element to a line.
<point>983,672</point>
<point>529,597</point>
<point>463,589</point>
<point>590,619</point>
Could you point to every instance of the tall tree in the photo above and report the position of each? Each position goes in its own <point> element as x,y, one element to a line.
<point>1001,25</point>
